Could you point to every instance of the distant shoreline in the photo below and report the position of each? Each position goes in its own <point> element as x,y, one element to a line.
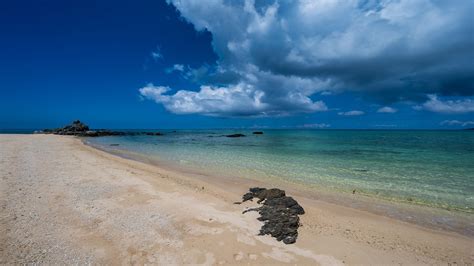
<point>31,131</point>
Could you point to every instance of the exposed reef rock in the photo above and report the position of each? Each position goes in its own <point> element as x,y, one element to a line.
<point>257,133</point>
<point>153,133</point>
<point>278,212</point>
<point>77,128</point>
<point>235,135</point>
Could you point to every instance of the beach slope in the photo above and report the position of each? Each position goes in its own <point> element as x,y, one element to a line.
<point>63,202</point>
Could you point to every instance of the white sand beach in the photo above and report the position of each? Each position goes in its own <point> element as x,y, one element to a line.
<point>63,202</point>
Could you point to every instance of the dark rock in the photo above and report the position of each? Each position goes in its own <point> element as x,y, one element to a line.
<point>91,133</point>
<point>247,196</point>
<point>77,128</point>
<point>257,133</point>
<point>278,212</point>
<point>153,133</point>
<point>105,132</point>
<point>263,193</point>
<point>235,135</point>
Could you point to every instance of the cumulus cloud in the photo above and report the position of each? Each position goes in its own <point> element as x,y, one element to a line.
<point>239,100</point>
<point>387,109</point>
<point>351,113</point>
<point>434,104</point>
<point>457,123</point>
<point>385,50</point>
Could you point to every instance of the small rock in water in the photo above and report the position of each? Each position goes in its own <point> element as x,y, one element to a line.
<point>235,135</point>
<point>278,212</point>
<point>153,133</point>
<point>257,132</point>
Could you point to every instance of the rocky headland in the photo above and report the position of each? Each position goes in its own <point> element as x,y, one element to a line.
<point>77,128</point>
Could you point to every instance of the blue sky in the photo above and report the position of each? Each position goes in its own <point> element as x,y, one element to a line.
<point>220,64</point>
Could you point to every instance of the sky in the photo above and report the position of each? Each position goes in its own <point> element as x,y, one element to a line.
<point>318,64</point>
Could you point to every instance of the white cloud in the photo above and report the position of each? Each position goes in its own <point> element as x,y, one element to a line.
<point>175,67</point>
<point>351,113</point>
<point>448,107</point>
<point>457,123</point>
<point>293,50</point>
<point>239,100</point>
<point>387,109</point>
<point>156,54</point>
<point>178,67</point>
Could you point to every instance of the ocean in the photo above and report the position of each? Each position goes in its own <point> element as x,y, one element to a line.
<point>432,168</point>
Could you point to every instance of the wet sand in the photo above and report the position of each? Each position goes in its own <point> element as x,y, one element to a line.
<point>64,202</point>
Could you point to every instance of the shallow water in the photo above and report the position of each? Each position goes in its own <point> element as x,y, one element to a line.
<point>433,168</point>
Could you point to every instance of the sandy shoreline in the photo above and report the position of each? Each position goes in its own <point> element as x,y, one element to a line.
<point>422,215</point>
<point>65,202</point>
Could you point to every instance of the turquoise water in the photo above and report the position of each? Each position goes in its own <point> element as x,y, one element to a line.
<point>434,168</point>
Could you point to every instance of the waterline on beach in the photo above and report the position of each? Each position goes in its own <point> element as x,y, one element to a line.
<point>432,168</point>
<point>428,168</point>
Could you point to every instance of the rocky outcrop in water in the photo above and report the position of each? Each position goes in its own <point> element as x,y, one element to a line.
<point>153,133</point>
<point>235,135</point>
<point>278,212</point>
<point>77,128</point>
<point>257,133</point>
